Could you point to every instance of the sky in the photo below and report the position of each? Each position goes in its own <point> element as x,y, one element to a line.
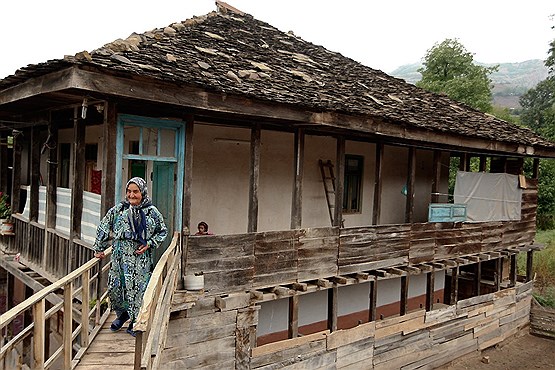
<point>380,34</point>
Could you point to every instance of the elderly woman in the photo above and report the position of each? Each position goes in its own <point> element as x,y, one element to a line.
<point>137,227</point>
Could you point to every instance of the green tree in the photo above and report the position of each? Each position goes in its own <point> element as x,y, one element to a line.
<point>450,69</point>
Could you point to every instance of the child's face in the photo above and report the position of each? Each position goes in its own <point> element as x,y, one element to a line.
<point>201,229</point>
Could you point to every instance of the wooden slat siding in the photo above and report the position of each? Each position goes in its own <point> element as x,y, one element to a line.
<point>245,334</point>
<point>355,355</point>
<point>289,355</point>
<point>464,239</point>
<point>422,242</point>
<point>276,258</point>
<point>226,261</point>
<point>542,321</point>
<point>317,253</point>
<point>492,235</point>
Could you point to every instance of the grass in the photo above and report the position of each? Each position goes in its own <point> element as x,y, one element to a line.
<point>544,268</point>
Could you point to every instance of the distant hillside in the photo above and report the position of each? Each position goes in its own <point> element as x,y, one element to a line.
<point>510,82</point>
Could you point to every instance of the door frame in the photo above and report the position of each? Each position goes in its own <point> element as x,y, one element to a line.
<point>178,126</point>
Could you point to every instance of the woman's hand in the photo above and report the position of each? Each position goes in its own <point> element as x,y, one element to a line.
<point>99,255</point>
<point>142,249</point>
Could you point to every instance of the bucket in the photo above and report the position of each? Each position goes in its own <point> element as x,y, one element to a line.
<point>194,282</point>
<point>6,227</point>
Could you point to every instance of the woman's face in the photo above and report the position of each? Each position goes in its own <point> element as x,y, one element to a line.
<point>133,194</point>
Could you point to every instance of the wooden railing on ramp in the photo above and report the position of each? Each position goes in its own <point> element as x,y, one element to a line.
<point>76,286</point>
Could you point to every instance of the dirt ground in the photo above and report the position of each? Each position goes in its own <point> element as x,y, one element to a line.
<point>522,352</point>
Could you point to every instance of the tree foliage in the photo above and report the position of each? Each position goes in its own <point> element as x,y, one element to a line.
<point>450,69</point>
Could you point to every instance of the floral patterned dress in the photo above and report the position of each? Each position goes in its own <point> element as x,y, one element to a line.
<point>130,272</point>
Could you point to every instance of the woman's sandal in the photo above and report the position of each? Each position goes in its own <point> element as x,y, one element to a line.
<point>117,324</point>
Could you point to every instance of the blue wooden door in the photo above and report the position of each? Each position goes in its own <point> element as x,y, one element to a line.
<point>163,196</point>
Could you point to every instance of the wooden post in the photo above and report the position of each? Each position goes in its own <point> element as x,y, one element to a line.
<point>77,186</point>
<point>430,288</point>
<point>454,285</point>
<point>536,168</point>
<point>339,182</point>
<point>10,302</point>
<point>16,172</point>
<point>254,180</point>
<point>477,278</point>
<point>498,273</point>
<point>404,295</point>
<point>67,338</point>
<point>138,350</point>
<point>188,176</point>
<point>293,327</point>
<point>529,265</point>
<point>35,175</point>
<point>4,185</point>
<point>437,176</point>
<point>411,178</point>
<point>483,163</point>
<point>27,320</point>
<point>377,207</point>
<point>52,171</point>
<point>109,131</point>
<point>85,298</point>
<point>513,271</point>
<point>297,199</point>
<point>39,335</point>
<point>373,300</point>
<point>332,308</point>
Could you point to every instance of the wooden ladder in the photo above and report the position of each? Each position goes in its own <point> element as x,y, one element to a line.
<point>328,178</point>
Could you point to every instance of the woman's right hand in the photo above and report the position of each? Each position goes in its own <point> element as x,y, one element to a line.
<point>99,255</point>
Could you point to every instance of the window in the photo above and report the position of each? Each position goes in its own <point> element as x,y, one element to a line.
<point>352,193</point>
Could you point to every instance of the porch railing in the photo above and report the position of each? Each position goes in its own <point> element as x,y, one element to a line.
<point>75,286</point>
<point>152,323</point>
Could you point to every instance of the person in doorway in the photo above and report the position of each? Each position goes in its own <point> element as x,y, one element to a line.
<point>137,228</point>
<point>203,229</point>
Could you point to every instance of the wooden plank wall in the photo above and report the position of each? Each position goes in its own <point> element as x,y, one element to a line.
<point>542,321</point>
<point>204,337</point>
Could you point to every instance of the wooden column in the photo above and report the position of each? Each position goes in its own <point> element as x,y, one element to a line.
<point>454,285</point>
<point>529,265</point>
<point>404,294</point>
<point>332,308</point>
<point>4,181</point>
<point>77,185</point>
<point>483,163</point>
<point>188,174</point>
<point>430,287</point>
<point>26,352</point>
<point>377,208</point>
<point>437,176</point>
<point>10,302</point>
<point>513,270</point>
<point>297,199</point>
<point>52,173</point>
<point>339,182</point>
<point>254,180</point>
<point>109,131</point>
<point>477,278</point>
<point>536,168</point>
<point>373,300</point>
<point>293,327</point>
<point>35,174</point>
<point>498,273</point>
<point>411,179</point>
<point>39,335</point>
<point>16,172</point>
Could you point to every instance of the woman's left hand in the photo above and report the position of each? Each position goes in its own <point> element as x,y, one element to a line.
<point>142,249</point>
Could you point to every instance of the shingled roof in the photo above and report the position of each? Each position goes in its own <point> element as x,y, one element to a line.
<point>237,54</point>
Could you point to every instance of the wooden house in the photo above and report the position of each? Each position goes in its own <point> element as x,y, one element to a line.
<point>317,174</point>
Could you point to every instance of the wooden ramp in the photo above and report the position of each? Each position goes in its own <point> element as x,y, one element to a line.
<point>109,350</point>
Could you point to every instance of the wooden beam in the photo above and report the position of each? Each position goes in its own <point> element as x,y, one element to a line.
<point>39,335</point>
<point>376,208</point>
<point>454,285</point>
<point>302,287</point>
<point>404,295</point>
<point>425,267</point>
<point>477,278</point>
<point>52,171</point>
<point>332,309</point>
<point>361,276</point>
<point>323,283</point>
<point>297,198</point>
<point>338,279</point>
<point>35,174</point>
<point>498,273</point>
<point>280,291</point>
<point>4,165</point>
<point>536,168</point>
<point>430,288</point>
<point>256,295</point>
<point>67,337</point>
<point>483,163</point>
<point>436,171</point>
<point>339,182</point>
<point>254,179</point>
<point>293,325</point>
<point>77,185</point>
<point>411,181</point>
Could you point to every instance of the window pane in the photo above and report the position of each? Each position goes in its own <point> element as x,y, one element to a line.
<point>131,136</point>
<point>150,141</point>
<point>167,143</point>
